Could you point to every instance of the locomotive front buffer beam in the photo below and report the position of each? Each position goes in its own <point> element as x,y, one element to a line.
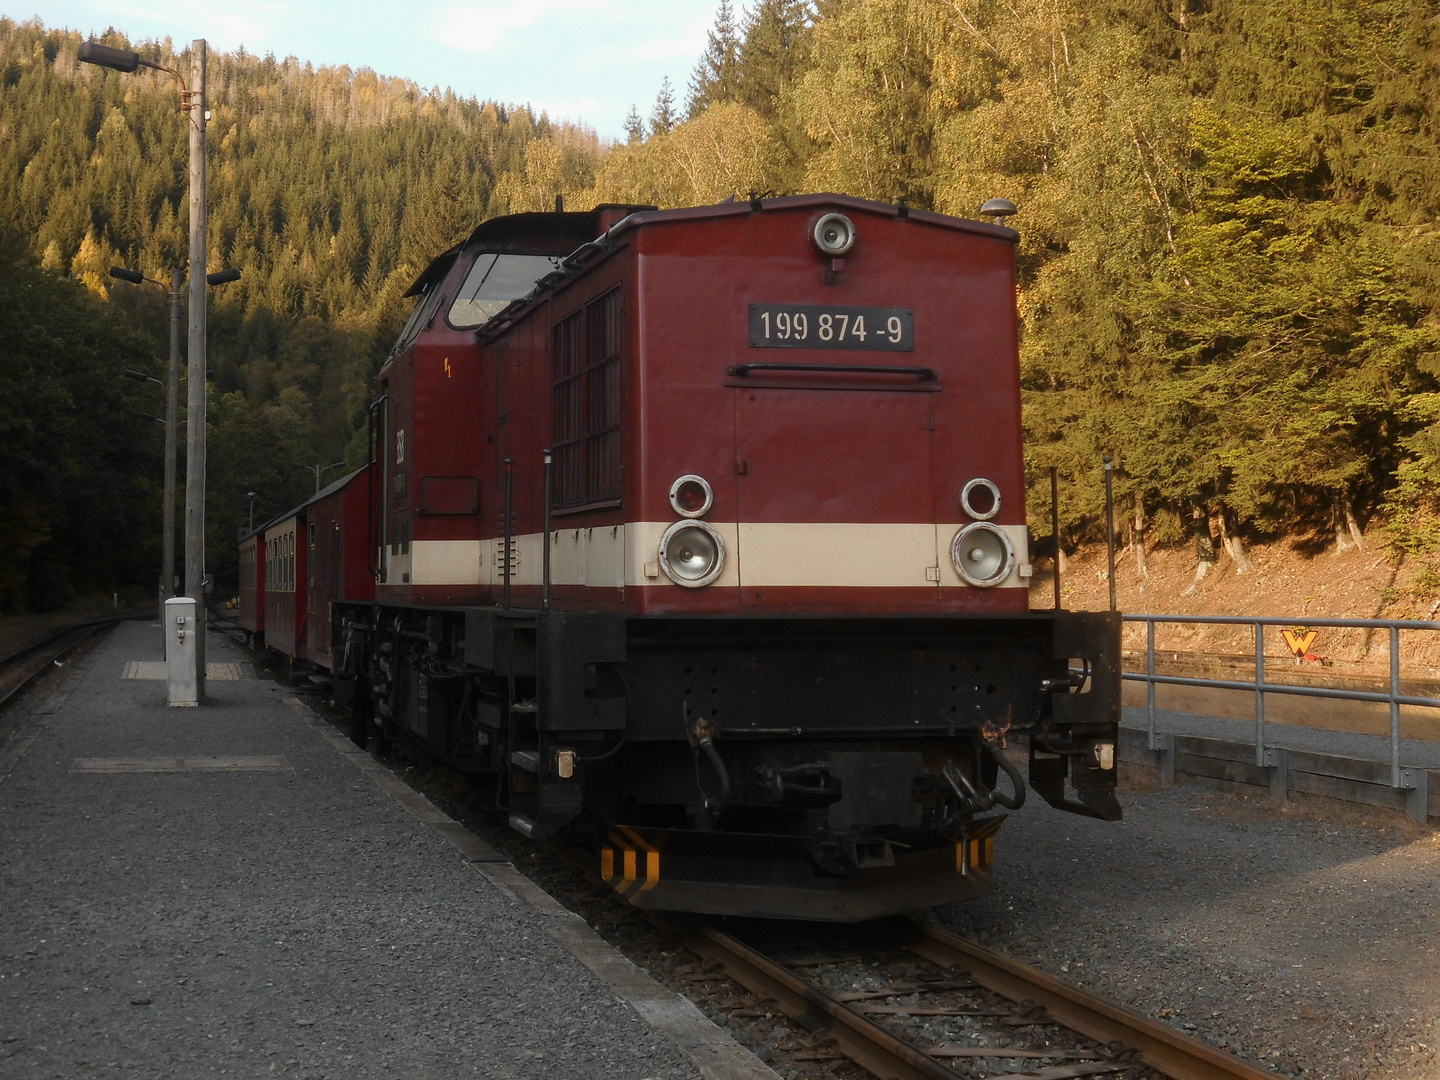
<point>822,767</point>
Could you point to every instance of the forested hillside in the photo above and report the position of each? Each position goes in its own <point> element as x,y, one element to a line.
<point>1230,262</point>
<point>330,189</point>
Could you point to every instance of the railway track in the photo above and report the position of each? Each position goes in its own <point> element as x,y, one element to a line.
<point>1008,1001</point>
<point>1040,1010</point>
<point>21,668</point>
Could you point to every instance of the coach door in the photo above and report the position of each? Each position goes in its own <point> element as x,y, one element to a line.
<point>312,594</point>
<point>836,492</point>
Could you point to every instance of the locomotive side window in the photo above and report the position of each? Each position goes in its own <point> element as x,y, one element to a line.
<point>586,400</point>
<point>424,308</point>
<point>492,283</point>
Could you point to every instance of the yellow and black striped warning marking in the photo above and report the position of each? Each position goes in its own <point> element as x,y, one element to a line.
<point>976,851</point>
<point>974,854</point>
<point>621,858</point>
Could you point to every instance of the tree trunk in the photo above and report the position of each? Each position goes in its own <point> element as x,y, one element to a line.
<point>1356,533</point>
<point>1204,543</point>
<point>1234,546</point>
<point>1137,536</point>
<point>1337,521</point>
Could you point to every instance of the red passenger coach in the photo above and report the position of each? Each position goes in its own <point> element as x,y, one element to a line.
<point>315,556</point>
<point>702,533</point>
<point>285,587</point>
<point>337,560</point>
<point>252,586</point>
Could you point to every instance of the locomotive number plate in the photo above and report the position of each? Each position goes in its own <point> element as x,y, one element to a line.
<point>818,326</point>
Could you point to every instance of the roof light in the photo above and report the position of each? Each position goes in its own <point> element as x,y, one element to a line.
<point>834,235</point>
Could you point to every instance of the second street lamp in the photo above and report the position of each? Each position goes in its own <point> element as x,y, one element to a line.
<point>172,426</point>
<point>192,103</point>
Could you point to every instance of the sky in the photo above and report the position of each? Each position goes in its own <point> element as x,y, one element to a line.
<point>580,60</point>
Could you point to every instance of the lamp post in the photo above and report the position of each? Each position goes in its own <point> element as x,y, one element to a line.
<point>172,424</point>
<point>251,496</point>
<point>172,405</point>
<point>192,103</point>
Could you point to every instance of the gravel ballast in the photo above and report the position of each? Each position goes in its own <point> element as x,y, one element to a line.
<point>1304,936</point>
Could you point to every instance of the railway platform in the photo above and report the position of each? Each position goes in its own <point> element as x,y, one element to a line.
<point>237,890</point>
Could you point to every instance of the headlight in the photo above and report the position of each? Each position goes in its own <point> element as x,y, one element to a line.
<point>834,234</point>
<point>982,554</point>
<point>691,496</point>
<point>980,498</point>
<point>692,553</point>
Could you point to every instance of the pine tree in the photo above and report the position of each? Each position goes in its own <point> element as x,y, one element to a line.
<point>769,53</point>
<point>663,117</point>
<point>713,80</point>
<point>634,127</point>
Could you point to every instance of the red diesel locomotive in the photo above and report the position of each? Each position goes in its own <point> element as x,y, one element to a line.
<point>703,532</point>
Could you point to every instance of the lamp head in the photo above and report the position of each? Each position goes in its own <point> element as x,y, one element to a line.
<point>104,56</point>
<point>222,277</point>
<point>135,277</point>
<point>997,209</point>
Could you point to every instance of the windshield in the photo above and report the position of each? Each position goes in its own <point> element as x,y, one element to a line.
<point>493,282</point>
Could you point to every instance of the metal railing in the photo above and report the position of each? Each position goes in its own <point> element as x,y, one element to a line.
<point>1264,756</point>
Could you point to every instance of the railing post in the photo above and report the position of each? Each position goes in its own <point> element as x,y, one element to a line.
<point>1260,695</point>
<point>1110,527</point>
<point>1150,683</point>
<point>1055,526</point>
<point>1395,778</point>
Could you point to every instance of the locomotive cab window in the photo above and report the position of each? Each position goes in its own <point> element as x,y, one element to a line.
<point>586,397</point>
<point>492,283</point>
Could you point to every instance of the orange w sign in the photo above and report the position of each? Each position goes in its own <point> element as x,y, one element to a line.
<point>1300,639</point>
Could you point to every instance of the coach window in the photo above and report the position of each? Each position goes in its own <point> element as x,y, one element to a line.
<point>586,403</point>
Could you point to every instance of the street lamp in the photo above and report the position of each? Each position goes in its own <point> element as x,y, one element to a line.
<point>172,395</point>
<point>192,102</point>
<point>317,470</point>
<point>172,425</point>
<point>251,496</point>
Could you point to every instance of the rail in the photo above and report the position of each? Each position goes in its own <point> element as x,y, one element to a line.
<point>25,665</point>
<point>1120,1031</point>
<point>1264,756</point>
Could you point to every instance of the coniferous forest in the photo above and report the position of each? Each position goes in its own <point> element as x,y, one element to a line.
<point>1229,260</point>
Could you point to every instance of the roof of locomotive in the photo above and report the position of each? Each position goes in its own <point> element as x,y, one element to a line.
<point>644,216</point>
<point>740,207</point>
<point>530,233</point>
